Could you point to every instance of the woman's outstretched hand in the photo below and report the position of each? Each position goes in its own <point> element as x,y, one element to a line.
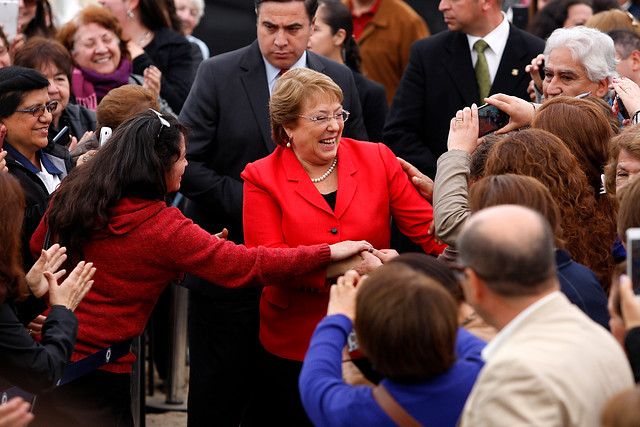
<point>343,250</point>
<point>74,287</point>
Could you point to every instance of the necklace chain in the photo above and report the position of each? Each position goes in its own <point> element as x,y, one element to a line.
<point>327,173</point>
<point>144,38</point>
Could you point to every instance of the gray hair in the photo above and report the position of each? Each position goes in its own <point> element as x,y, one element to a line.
<point>591,48</point>
<point>198,4</point>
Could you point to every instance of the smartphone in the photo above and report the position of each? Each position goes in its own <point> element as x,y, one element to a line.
<point>633,258</point>
<point>541,70</point>
<point>491,119</point>
<point>3,132</point>
<point>623,110</point>
<point>9,18</point>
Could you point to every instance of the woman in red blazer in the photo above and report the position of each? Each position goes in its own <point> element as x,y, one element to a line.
<point>316,187</point>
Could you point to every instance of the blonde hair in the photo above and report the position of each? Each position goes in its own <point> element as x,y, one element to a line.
<point>292,89</point>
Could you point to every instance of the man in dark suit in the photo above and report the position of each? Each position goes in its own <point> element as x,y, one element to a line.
<point>440,78</point>
<point>227,113</point>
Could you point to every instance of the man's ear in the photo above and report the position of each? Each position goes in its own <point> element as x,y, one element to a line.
<point>477,287</point>
<point>635,60</point>
<point>602,89</point>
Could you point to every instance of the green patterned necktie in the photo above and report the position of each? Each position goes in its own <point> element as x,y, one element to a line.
<point>482,70</point>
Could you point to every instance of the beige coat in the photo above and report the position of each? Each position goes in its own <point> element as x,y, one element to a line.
<point>558,368</point>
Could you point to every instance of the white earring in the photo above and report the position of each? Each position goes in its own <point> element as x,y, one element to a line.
<point>288,145</point>
<point>130,14</point>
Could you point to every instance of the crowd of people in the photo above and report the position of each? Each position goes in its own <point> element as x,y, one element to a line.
<point>356,252</point>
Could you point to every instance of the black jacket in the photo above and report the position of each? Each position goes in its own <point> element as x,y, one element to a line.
<point>78,118</point>
<point>440,80</point>
<point>27,364</point>
<point>36,194</point>
<point>173,55</point>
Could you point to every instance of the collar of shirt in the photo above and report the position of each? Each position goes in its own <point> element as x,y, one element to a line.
<point>273,73</point>
<point>506,332</point>
<point>46,163</point>
<point>361,21</point>
<point>497,41</point>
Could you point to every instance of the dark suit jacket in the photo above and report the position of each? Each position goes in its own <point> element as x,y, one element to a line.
<point>227,112</point>
<point>373,99</point>
<point>439,81</point>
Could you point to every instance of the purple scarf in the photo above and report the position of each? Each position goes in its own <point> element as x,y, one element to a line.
<point>88,86</point>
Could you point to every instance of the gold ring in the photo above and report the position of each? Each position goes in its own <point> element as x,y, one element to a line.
<point>458,120</point>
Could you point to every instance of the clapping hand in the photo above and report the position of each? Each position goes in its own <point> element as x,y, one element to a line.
<point>50,260</point>
<point>70,292</point>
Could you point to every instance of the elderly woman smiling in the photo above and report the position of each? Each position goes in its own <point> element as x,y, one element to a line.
<point>317,187</point>
<point>94,38</point>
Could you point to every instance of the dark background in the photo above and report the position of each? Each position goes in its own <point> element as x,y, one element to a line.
<point>231,24</point>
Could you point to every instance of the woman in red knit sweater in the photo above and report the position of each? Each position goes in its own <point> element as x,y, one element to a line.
<point>111,212</point>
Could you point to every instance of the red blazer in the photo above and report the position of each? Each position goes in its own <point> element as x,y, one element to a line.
<point>282,208</point>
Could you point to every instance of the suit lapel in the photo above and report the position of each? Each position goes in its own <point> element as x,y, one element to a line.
<point>255,84</point>
<point>347,185</point>
<point>457,61</point>
<point>510,71</point>
<point>304,187</point>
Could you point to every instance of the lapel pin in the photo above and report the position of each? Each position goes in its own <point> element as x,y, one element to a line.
<point>514,72</point>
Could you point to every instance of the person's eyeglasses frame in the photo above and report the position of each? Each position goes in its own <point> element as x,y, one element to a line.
<point>342,116</point>
<point>38,111</point>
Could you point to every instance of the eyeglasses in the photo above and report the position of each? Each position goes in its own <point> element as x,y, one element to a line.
<point>39,110</point>
<point>324,120</point>
<point>163,121</point>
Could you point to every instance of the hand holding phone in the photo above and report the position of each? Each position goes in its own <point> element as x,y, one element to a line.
<point>491,119</point>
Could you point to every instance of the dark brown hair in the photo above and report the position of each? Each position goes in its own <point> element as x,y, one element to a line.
<point>39,52</point>
<point>511,189</point>
<point>431,267</point>
<point>93,15</point>
<point>11,215</point>
<point>538,153</point>
<point>406,324</point>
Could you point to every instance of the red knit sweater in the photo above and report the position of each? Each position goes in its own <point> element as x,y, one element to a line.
<point>145,246</point>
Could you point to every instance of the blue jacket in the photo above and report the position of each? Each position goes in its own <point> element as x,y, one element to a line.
<point>331,402</point>
<point>582,287</point>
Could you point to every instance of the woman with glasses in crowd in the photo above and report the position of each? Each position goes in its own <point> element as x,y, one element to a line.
<point>317,187</point>
<point>26,111</point>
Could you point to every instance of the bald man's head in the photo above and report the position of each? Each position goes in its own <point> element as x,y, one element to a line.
<point>511,248</point>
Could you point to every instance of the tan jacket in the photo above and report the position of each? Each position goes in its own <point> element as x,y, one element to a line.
<point>385,42</point>
<point>558,368</point>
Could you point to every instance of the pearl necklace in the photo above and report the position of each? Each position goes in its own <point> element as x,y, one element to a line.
<point>327,173</point>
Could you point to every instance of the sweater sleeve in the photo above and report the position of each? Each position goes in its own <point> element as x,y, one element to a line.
<point>36,366</point>
<point>451,194</point>
<point>326,398</point>
<point>230,265</point>
<point>411,212</point>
